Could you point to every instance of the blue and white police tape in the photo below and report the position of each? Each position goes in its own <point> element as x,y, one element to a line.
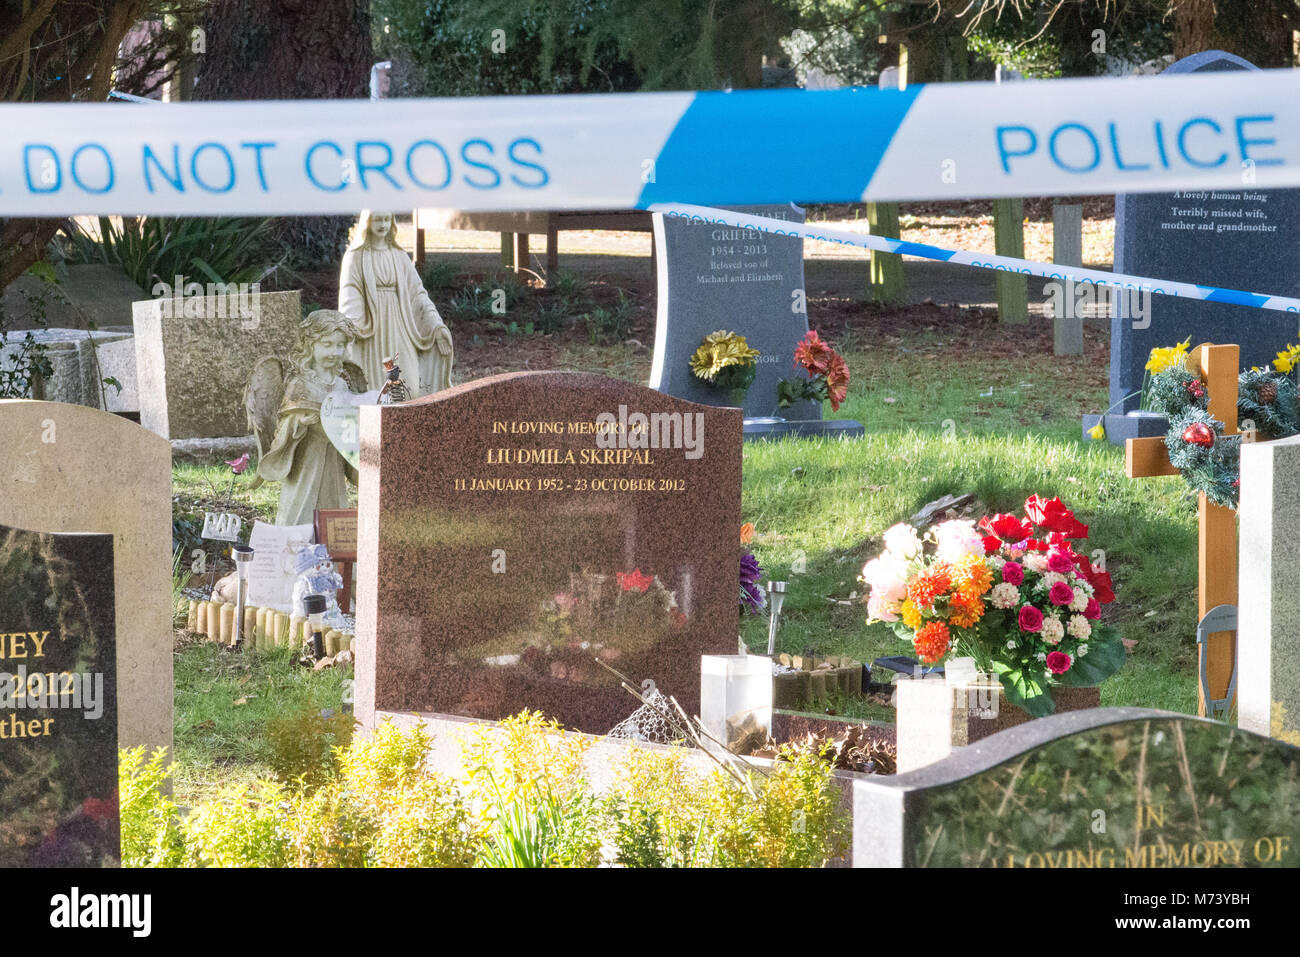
<point>730,220</point>
<point>1223,131</point>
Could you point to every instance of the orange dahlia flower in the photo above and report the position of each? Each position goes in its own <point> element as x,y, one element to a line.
<point>931,642</point>
<point>928,586</point>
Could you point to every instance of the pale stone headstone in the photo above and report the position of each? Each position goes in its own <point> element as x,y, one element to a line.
<point>194,357</point>
<point>68,468</point>
<point>1268,610</point>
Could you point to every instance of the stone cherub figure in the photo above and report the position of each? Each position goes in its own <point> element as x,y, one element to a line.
<point>380,291</point>
<point>284,406</point>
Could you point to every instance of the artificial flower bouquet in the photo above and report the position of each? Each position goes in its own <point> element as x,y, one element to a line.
<point>726,361</point>
<point>1010,592</point>
<point>828,375</point>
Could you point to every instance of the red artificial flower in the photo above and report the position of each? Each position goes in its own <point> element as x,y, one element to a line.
<point>1102,589</point>
<point>991,544</point>
<point>1052,515</point>
<point>814,355</point>
<point>634,581</point>
<point>1013,573</point>
<point>837,380</point>
<point>1058,662</point>
<point>1007,527</point>
<point>1093,611</point>
<point>1059,561</point>
<point>1060,594</point>
<point>238,465</point>
<point>1031,619</point>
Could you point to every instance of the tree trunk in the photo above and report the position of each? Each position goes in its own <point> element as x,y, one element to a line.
<point>53,51</point>
<point>1193,27</point>
<point>291,49</point>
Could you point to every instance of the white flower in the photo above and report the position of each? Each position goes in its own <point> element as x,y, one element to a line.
<point>1081,650</point>
<point>1080,627</point>
<point>1004,595</point>
<point>887,578</point>
<point>1051,578</point>
<point>1011,645</point>
<point>1035,562</point>
<point>1041,656</point>
<point>957,539</point>
<point>1053,631</point>
<point>1080,601</point>
<point>995,561</point>
<point>902,541</point>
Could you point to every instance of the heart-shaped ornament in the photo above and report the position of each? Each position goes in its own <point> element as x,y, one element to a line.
<point>342,424</point>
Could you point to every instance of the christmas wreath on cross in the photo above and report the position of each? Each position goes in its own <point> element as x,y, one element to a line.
<point>1268,407</point>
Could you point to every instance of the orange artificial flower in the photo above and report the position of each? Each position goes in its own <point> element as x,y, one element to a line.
<point>972,576</point>
<point>932,642</point>
<point>965,609</point>
<point>746,533</point>
<point>812,354</point>
<point>928,586</point>
<point>837,381</point>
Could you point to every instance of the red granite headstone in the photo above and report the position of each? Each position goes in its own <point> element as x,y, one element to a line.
<point>515,529</point>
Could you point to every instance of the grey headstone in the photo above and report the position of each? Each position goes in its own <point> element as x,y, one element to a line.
<point>1105,787</point>
<point>744,280</point>
<point>191,370</point>
<point>1176,236</point>
<point>79,367</point>
<point>1268,609</point>
<point>58,756</point>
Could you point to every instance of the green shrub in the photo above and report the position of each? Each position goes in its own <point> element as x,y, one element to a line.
<point>612,324</point>
<point>441,274</point>
<point>525,802</point>
<point>159,248</point>
<point>242,829</point>
<point>304,744</point>
<point>151,834</point>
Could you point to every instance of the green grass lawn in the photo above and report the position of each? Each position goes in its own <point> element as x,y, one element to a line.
<point>224,703</point>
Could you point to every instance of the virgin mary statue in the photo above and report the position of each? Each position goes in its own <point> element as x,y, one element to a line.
<point>380,291</point>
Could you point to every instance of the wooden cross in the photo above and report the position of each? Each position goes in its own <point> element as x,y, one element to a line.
<point>1217,564</point>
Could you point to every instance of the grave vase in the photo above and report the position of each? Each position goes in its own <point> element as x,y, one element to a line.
<point>935,716</point>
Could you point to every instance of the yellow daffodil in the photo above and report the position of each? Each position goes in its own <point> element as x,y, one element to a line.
<point>1097,432</point>
<point>1168,358</point>
<point>1287,359</point>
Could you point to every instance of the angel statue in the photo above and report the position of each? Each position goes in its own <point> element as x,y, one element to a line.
<point>381,292</point>
<point>284,406</point>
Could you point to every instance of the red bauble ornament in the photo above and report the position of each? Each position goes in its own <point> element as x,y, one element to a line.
<point>1198,433</point>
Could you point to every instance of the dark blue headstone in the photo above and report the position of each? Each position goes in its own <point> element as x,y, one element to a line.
<point>58,701</point>
<point>1240,238</point>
